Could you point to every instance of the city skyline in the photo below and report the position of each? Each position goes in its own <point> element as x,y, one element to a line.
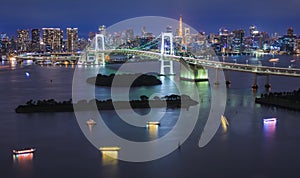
<point>208,16</point>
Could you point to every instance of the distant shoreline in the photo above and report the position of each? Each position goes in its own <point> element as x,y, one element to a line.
<point>288,100</point>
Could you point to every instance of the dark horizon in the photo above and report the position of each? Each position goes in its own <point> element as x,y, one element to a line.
<point>269,16</point>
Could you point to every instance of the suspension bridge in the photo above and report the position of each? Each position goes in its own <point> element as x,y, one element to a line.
<point>166,55</point>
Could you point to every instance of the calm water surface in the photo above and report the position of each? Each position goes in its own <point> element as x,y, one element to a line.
<point>247,149</point>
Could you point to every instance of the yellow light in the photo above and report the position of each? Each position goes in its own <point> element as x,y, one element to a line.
<point>109,148</point>
<point>109,155</point>
<point>224,123</point>
<point>153,123</point>
<point>153,130</point>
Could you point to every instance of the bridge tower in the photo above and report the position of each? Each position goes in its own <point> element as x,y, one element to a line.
<point>99,46</point>
<point>92,55</point>
<point>166,49</point>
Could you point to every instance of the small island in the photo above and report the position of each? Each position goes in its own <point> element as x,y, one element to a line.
<point>289,100</point>
<point>123,80</point>
<point>170,101</point>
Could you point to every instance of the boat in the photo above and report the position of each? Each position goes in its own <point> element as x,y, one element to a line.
<point>24,151</point>
<point>274,60</point>
<point>153,123</point>
<point>270,120</point>
<point>110,148</point>
<point>91,122</point>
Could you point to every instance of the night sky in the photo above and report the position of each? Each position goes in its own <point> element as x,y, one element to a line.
<point>204,15</point>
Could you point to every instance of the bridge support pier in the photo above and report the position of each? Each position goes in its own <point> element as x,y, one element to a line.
<point>163,65</point>
<point>228,82</point>
<point>217,77</point>
<point>191,72</point>
<point>255,86</point>
<point>268,85</point>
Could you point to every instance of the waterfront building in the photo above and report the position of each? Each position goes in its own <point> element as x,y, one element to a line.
<point>72,39</point>
<point>82,43</point>
<point>23,40</point>
<point>52,39</point>
<point>297,46</point>
<point>223,33</point>
<point>35,40</point>
<point>238,40</point>
<point>252,30</point>
<point>288,42</point>
<point>4,41</point>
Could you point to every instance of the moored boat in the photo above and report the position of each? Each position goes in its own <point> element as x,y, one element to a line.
<point>24,151</point>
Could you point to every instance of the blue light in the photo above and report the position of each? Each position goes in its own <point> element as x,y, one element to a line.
<point>27,74</point>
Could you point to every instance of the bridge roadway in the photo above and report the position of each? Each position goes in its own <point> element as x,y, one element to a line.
<point>259,70</point>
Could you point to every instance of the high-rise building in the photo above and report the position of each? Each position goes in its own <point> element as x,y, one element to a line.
<point>238,40</point>
<point>52,39</point>
<point>288,41</point>
<point>4,40</point>
<point>180,30</point>
<point>91,36</point>
<point>35,40</point>
<point>102,29</point>
<point>252,30</point>
<point>169,29</point>
<point>180,27</point>
<point>290,32</point>
<point>129,34</point>
<point>297,46</point>
<point>144,31</point>
<point>223,33</point>
<point>72,39</point>
<point>23,40</point>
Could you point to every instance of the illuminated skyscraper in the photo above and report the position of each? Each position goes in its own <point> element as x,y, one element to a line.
<point>23,40</point>
<point>252,30</point>
<point>224,34</point>
<point>102,29</point>
<point>180,29</point>
<point>52,39</point>
<point>129,34</point>
<point>35,40</point>
<point>180,26</point>
<point>4,43</point>
<point>72,39</point>
<point>290,32</point>
<point>238,40</point>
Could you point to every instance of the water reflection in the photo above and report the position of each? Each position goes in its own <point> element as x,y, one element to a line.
<point>224,124</point>
<point>24,161</point>
<point>109,157</point>
<point>153,131</point>
<point>269,126</point>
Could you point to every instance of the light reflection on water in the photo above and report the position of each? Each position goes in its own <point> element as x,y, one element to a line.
<point>153,131</point>
<point>109,158</point>
<point>270,129</point>
<point>23,161</point>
